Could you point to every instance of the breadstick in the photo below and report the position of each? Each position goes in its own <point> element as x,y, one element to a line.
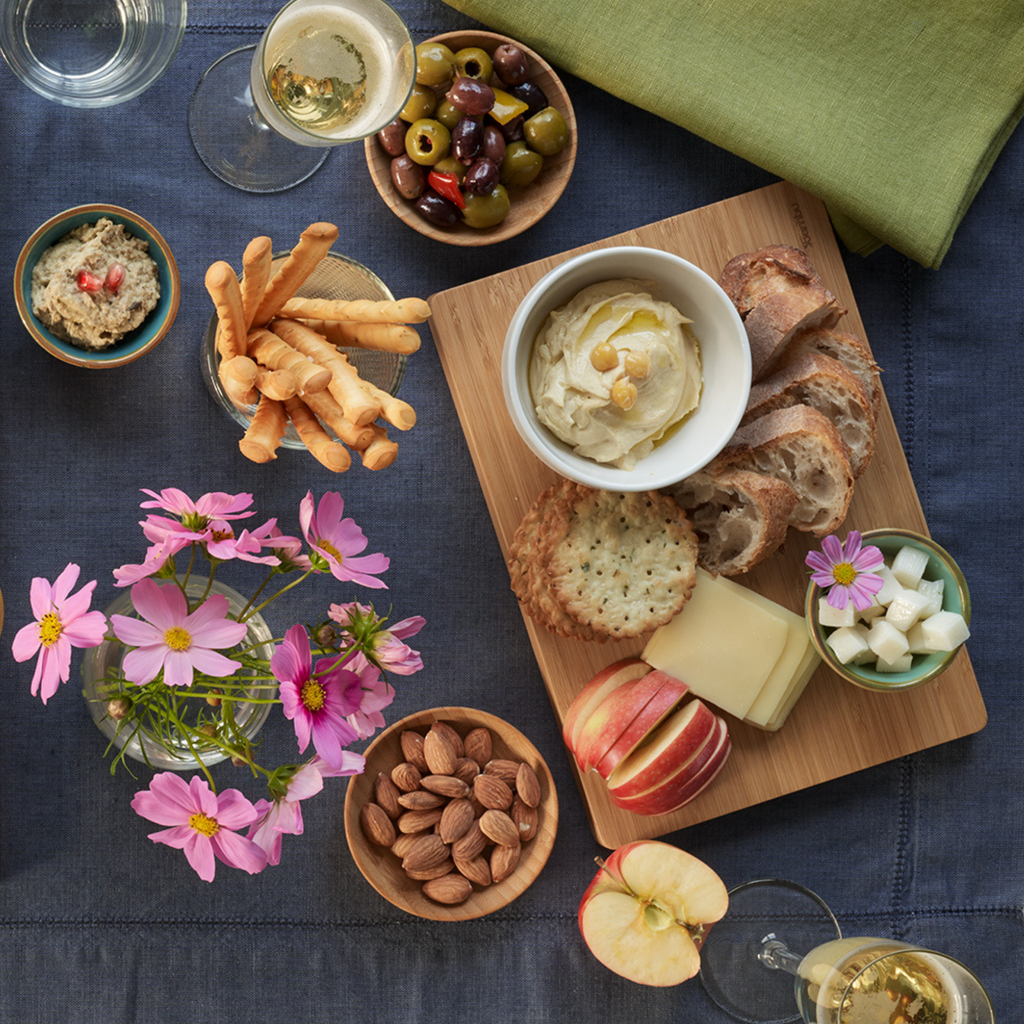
<point>327,452</point>
<point>400,311</point>
<point>398,413</point>
<point>324,405</point>
<point>277,384</point>
<point>359,406</point>
<point>264,432</point>
<point>381,451</point>
<point>222,284</point>
<point>238,378</point>
<point>383,337</point>
<point>272,352</point>
<point>312,246</point>
<point>256,261</point>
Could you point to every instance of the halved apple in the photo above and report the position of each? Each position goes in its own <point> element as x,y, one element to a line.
<point>647,912</point>
<point>595,691</point>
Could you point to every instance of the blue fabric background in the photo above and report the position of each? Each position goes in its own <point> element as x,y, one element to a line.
<point>98,924</point>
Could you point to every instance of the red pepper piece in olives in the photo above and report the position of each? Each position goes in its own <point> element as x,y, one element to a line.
<point>467,140</point>
<point>481,177</point>
<point>494,144</point>
<point>532,95</point>
<point>392,137</point>
<point>437,209</point>
<point>470,96</point>
<point>427,141</point>
<point>407,177</point>
<point>510,64</point>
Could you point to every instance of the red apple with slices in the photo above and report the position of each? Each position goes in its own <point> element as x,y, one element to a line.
<point>605,682</point>
<point>647,912</point>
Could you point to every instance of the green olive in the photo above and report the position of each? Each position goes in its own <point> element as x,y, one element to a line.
<point>448,115</point>
<point>486,211</point>
<point>547,132</point>
<point>521,164</point>
<point>422,102</point>
<point>449,165</point>
<point>435,64</point>
<point>472,62</point>
<point>427,141</point>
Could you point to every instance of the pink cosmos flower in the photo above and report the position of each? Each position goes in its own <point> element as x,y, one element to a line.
<point>289,549</point>
<point>63,621</point>
<point>216,505</point>
<point>388,650</point>
<point>173,640</point>
<point>377,694</point>
<point>845,569</point>
<point>202,823</point>
<point>283,816</point>
<point>316,700</point>
<point>222,544</point>
<point>340,541</point>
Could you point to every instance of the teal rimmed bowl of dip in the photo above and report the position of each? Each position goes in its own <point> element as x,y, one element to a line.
<point>136,342</point>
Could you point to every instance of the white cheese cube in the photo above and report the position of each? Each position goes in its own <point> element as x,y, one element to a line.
<point>833,618</point>
<point>887,641</point>
<point>846,643</point>
<point>891,587</point>
<point>945,631</point>
<point>917,640</point>
<point>934,590</point>
<point>905,609</point>
<point>909,565</point>
<point>901,664</point>
<point>872,611</point>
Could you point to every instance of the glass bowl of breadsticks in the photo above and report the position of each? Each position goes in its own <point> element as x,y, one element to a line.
<point>306,349</point>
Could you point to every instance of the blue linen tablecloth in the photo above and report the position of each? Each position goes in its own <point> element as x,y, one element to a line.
<point>98,924</point>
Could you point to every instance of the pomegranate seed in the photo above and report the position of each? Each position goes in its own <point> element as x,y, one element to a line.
<point>88,282</point>
<point>115,276</point>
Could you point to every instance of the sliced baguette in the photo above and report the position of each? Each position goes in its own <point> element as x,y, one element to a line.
<point>774,323</point>
<point>740,517</point>
<point>827,385</point>
<point>748,279</point>
<point>848,349</point>
<point>802,448</point>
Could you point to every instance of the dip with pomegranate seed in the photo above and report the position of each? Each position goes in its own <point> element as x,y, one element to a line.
<point>95,285</point>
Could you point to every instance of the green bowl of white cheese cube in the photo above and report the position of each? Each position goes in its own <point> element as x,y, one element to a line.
<point>915,626</point>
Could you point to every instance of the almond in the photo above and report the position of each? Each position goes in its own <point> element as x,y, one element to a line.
<point>424,874</point>
<point>419,821</point>
<point>412,749</point>
<point>505,770</point>
<point>439,753</point>
<point>477,870</point>
<point>471,844</point>
<point>478,745</point>
<point>466,769</point>
<point>386,794</point>
<point>427,852</point>
<point>503,861</point>
<point>421,800</point>
<point>492,792</point>
<point>404,843</point>
<point>446,785</point>
<point>528,785</point>
<point>453,738</point>
<point>455,820</point>
<point>496,825</point>
<point>525,817</point>
<point>377,826</point>
<point>450,888</point>
<point>406,776</point>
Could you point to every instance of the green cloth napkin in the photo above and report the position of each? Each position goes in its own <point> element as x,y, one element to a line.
<point>892,111</point>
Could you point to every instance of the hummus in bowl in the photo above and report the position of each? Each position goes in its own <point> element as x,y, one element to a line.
<point>614,370</point>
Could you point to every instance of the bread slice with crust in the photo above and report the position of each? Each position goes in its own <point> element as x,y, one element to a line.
<point>772,324</point>
<point>740,517</point>
<point>748,279</point>
<point>802,448</point>
<point>827,385</point>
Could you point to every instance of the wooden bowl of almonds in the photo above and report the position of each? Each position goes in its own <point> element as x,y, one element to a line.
<point>454,816</point>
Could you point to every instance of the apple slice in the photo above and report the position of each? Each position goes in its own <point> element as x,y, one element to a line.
<point>647,912</point>
<point>685,785</point>
<point>607,680</point>
<point>671,749</point>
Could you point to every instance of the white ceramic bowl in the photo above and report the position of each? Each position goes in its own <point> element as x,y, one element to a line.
<point>725,356</point>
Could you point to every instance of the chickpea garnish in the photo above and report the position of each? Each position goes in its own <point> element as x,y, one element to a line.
<point>604,356</point>
<point>624,393</point>
<point>638,364</point>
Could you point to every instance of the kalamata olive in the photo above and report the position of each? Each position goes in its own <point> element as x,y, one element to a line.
<point>532,95</point>
<point>486,211</point>
<point>392,137</point>
<point>467,140</point>
<point>481,177</point>
<point>546,132</point>
<point>472,62</point>
<point>437,209</point>
<point>470,96</point>
<point>427,141</point>
<point>513,131</point>
<point>521,165</point>
<point>408,177</point>
<point>510,64</point>
<point>435,64</point>
<point>494,144</point>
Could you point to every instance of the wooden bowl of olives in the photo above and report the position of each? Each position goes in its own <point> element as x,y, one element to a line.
<point>485,145</point>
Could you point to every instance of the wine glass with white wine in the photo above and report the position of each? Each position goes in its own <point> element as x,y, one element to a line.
<point>325,72</point>
<point>779,956</point>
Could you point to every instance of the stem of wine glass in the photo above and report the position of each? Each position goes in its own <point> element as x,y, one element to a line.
<point>776,955</point>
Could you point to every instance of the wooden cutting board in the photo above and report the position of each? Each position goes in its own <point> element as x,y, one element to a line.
<point>835,728</point>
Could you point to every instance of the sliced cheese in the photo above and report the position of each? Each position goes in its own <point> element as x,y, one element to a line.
<point>722,645</point>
